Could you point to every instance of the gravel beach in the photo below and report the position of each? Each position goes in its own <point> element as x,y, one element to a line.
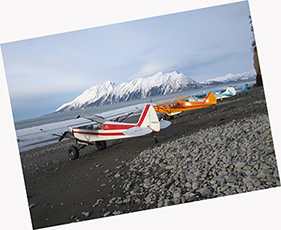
<point>218,161</point>
<point>204,154</point>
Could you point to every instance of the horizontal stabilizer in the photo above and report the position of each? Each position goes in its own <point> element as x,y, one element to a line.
<point>164,124</point>
<point>137,131</point>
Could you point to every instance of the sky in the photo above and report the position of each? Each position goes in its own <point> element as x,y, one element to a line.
<point>44,73</point>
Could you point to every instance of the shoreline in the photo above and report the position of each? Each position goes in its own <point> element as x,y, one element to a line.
<point>100,183</point>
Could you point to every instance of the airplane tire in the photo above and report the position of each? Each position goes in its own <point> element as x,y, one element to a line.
<point>101,145</point>
<point>73,152</point>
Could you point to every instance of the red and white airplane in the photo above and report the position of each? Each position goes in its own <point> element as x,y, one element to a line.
<point>101,130</point>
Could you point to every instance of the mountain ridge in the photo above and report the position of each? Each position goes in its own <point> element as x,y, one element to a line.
<point>143,87</point>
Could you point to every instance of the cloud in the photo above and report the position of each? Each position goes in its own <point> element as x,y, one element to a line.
<point>159,65</point>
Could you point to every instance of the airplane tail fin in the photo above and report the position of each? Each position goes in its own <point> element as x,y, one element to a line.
<point>231,91</point>
<point>245,88</point>
<point>149,119</point>
<point>210,99</point>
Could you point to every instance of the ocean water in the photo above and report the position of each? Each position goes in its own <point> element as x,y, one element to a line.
<point>39,131</point>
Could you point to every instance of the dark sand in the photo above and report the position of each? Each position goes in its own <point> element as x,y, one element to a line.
<point>62,191</point>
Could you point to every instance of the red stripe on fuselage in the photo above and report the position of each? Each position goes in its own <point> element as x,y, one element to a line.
<point>100,134</point>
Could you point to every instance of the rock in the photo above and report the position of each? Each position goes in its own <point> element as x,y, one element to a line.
<point>107,214</point>
<point>205,192</point>
<point>32,205</point>
<point>186,195</point>
<point>169,182</point>
<point>111,201</point>
<point>262,174</point>
<point>160,204</point>
<point>168,202</point>
<point>117,175</point>
<point>177,194</point>
<point>231,179</point>
<point>192,197</point>
<point>98,202</point>
<point>240,165</point>
<point>247,180</point>
<point>176,200</point>
<point>169,167</point>
<point>188,185</point>
<point>220,179</point>
<point>195,185</point>
<point>86,214</point>
<point>148,199</point>
<point>250,186</point>
<point>117,212</point>
<point>196,150</point>
<point>72,217</point>
<point>256,183</point>
<point>146,183</point>
<point>213,161</point>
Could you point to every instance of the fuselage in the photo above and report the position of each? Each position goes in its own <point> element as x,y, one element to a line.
<point>107,131</point>
<point>181,106</point>
<point>210,100</point>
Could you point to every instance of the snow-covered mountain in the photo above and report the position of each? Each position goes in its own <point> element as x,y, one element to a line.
<point>109,92</point>
<point>251,75</point>
<point>158,84</point>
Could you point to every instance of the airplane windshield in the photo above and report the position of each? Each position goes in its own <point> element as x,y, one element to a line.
<point>90,127</point>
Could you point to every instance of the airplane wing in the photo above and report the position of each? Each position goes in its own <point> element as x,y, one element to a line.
<point>96,118</point>
<point>44,133</point>
<point>137,131</point>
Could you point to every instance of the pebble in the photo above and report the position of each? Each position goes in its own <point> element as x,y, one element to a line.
<point>32,205</point>
<point>98,202</point>
<point>107,214</point>
<point>86,214</point>
<point>117,212</point>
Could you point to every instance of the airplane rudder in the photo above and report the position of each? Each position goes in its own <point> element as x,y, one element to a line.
<point>153,119</point>
<point>143,115</point>
<point>149,118</point>
<point>213,99</point>
<point>210,98</point>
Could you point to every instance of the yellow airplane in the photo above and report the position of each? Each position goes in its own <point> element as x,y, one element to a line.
<point>181,106</point>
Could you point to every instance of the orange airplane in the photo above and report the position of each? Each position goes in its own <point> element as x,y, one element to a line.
<point>180,106</point>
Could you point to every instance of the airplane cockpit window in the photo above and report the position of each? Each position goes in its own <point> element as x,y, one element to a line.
<point>91,127</point>
<point>96,126</point>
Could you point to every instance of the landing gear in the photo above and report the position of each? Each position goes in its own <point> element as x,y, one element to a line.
<point>155,138</point>
<point>167,117</point>
<point>73,151</point>
<point>164,117</point>
<point>100,145</point>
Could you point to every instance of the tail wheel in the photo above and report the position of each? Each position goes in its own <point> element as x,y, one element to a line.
<point>101,145</point>
<point>73,152</point>
<point>155,139</point>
